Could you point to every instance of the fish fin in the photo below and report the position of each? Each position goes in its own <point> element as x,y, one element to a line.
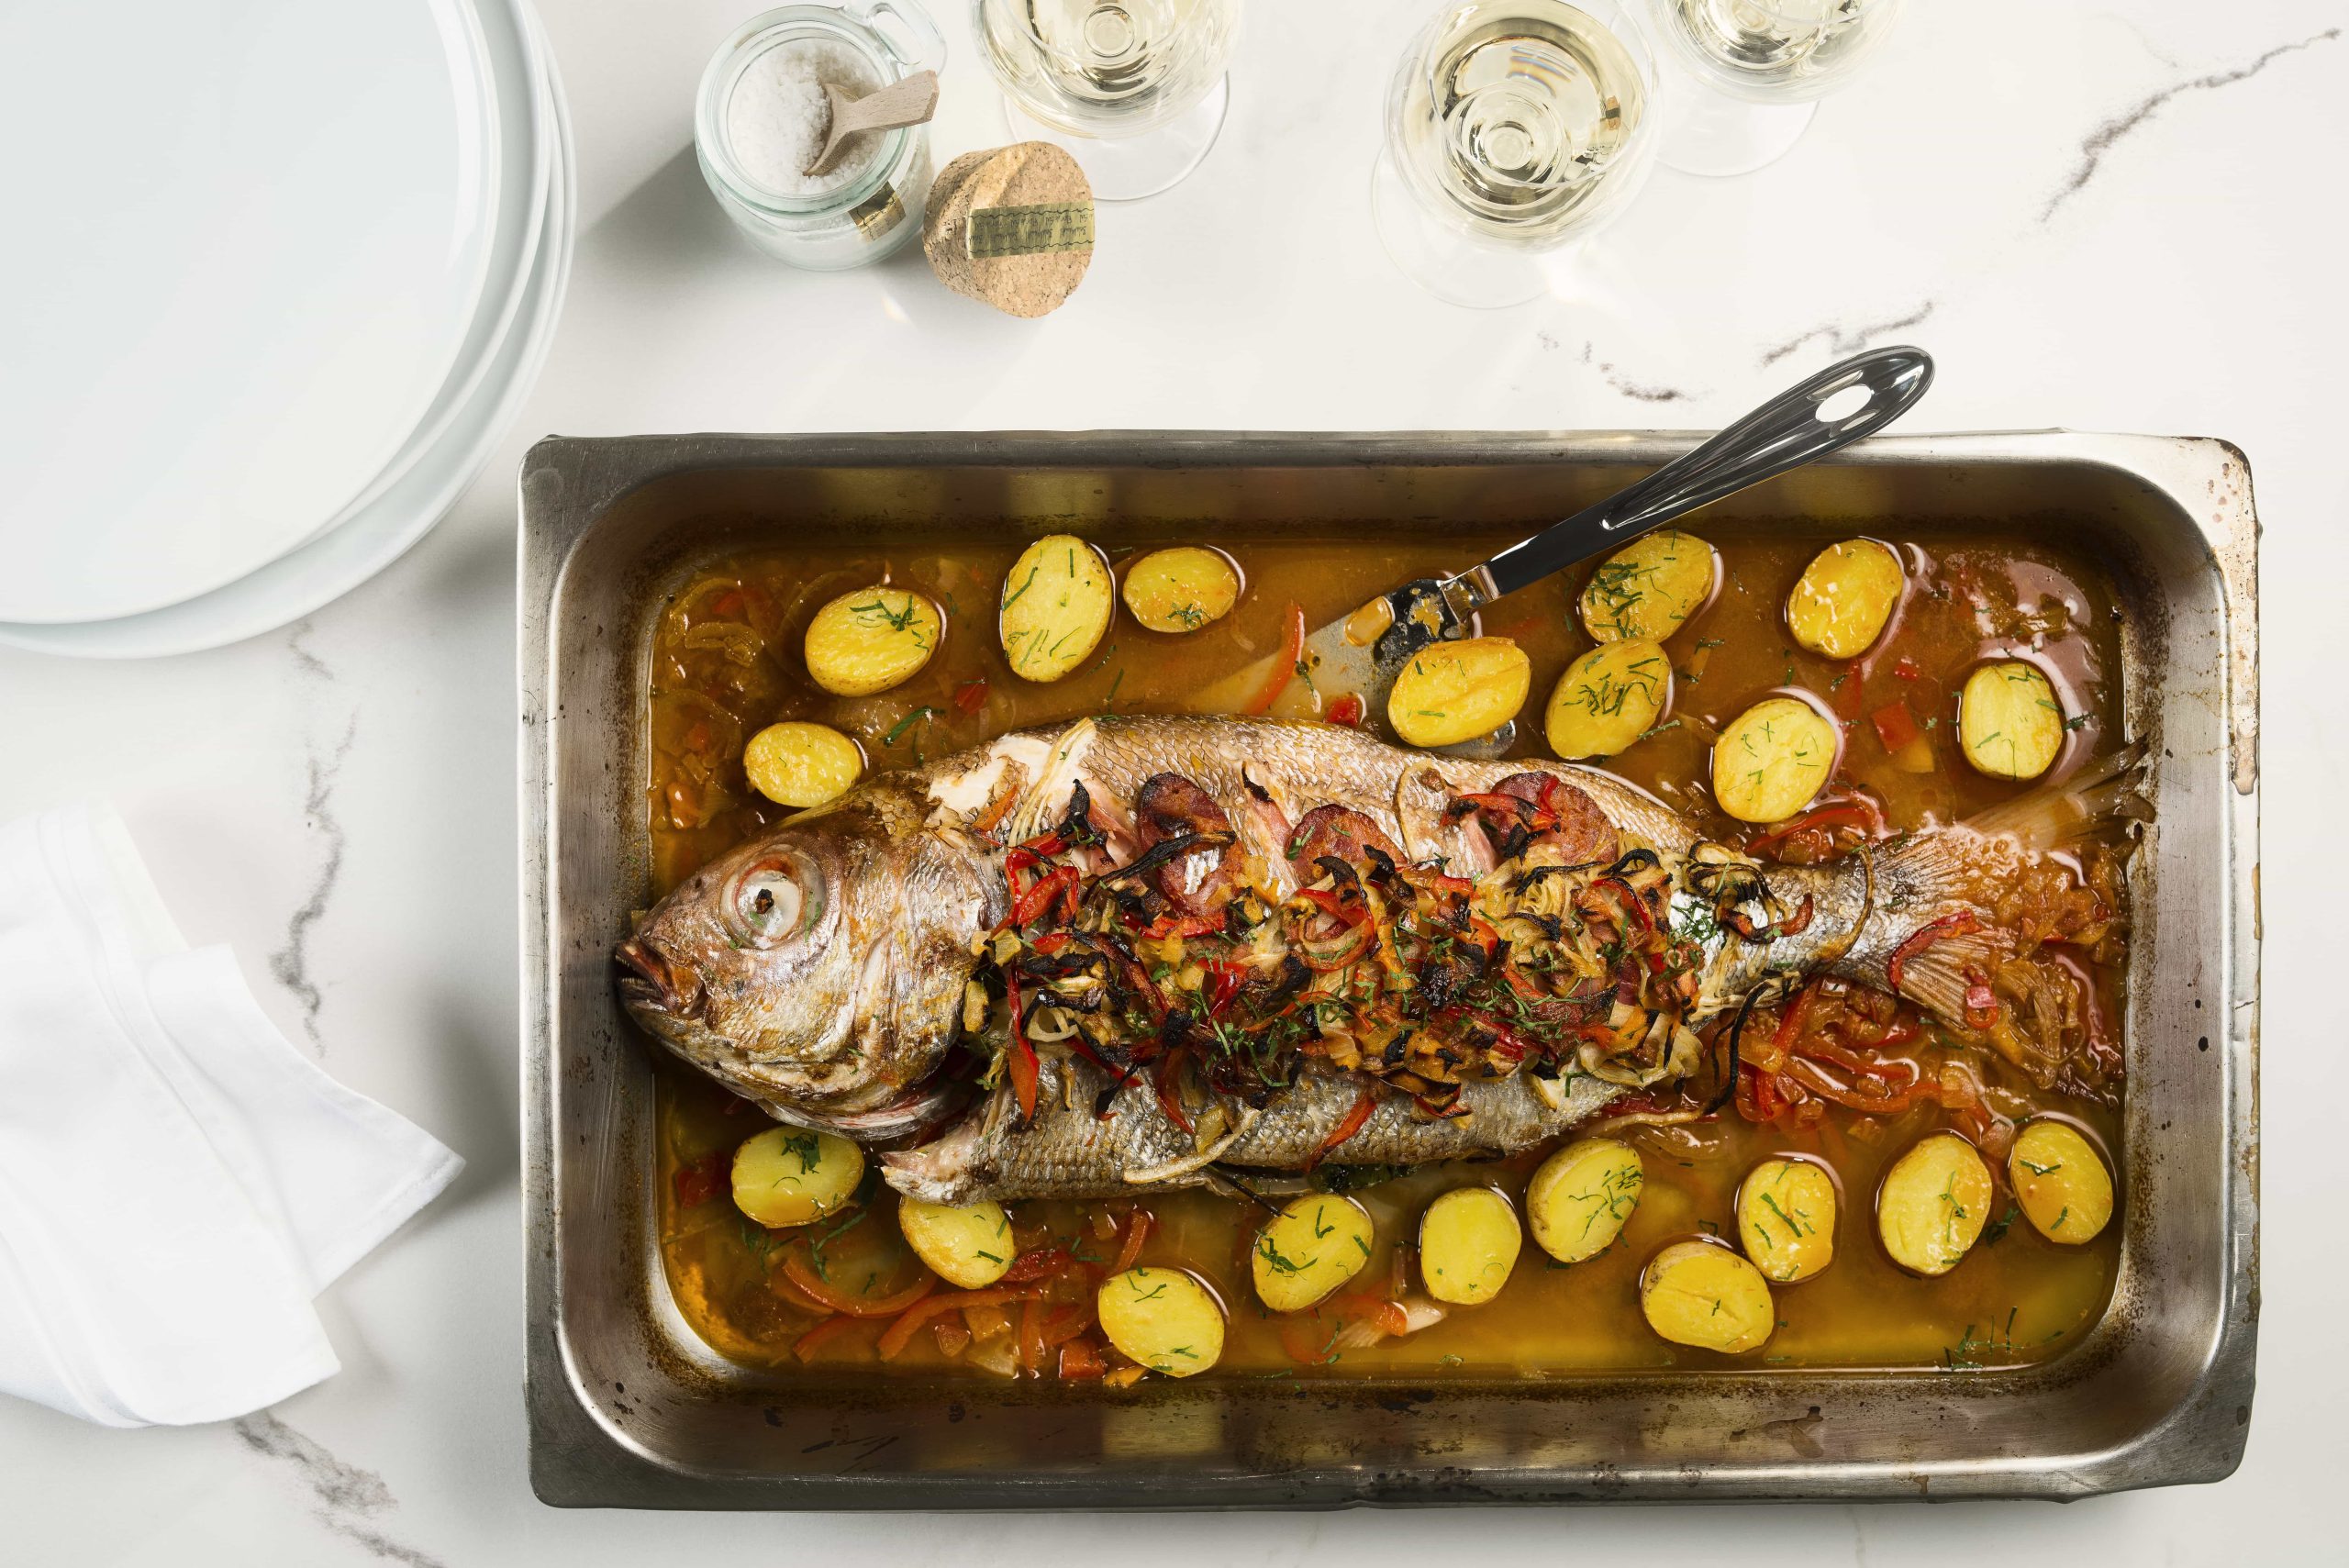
<point>2108,792</point>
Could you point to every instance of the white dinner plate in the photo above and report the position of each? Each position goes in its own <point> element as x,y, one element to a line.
<point>331,565</point>
<point>248,241</point>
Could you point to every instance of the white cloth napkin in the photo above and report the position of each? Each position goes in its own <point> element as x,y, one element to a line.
<point>176,1180</point>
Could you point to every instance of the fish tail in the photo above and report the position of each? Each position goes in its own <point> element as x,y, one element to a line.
<point>1933,933</point>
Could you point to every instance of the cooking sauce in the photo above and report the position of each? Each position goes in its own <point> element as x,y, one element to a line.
<point>726,662</point>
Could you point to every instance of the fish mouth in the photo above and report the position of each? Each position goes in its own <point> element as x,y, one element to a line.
<point>658,984</point>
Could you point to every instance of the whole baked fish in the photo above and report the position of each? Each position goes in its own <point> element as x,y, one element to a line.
<point>1450,958</point>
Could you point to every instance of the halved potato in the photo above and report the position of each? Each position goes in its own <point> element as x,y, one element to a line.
<point>1841,603</point>
<point>792,1175</point>
<point>1934,1203</point>
<point>2061,1183</point>
<point>1309,1250</point>
<point>1609,698</point>
<point>1469,1239</point>
<point>2009,721</point>
<point>1581,1195</point>
<point>1057,601</point>
<point>1458,691</point>
<point>799,764</point>
<point>1786,1218</point>
<point>969,1245</point>
<point>1163,1318</point>
<point>1647,589</point>
<point>1773,759</point>
<point>1182,589</point>
<point>1701,1294</point>
<point>871,640</point>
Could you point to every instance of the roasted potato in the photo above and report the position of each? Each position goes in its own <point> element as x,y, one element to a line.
<point>969,1246</point>
<point>1843,598</point>
<point>1163,1318</point>
<point>792,1175</point>
<point>2009,720</point>
<point>1701,1294</point>
<point>2061,1182</point>
<point>870,640</point>
<point>1934,1203</point>
<point>1581,1195</point>
<point>1458,691</point>
<point>802,765</point>
<point>1309,1250</point>
<point>1469,1239</point>
<point>1181,589</point>
<point>1609,698</point>
<point>1645,591</point>
<point>1773,759</point>
<point>1057,601</point>
<point>1786,1218</point>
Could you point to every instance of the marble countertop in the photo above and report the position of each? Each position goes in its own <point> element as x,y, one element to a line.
<point>2099,219</point>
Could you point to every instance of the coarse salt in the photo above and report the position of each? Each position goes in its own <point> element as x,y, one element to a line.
<point>778,115</point>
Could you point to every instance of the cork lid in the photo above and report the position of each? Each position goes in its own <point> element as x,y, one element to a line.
<point>1011,227</point>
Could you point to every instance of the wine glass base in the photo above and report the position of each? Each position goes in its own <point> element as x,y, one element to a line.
<point>1128,168</point>
<point>1444,261</point>
<point>1714,135</point>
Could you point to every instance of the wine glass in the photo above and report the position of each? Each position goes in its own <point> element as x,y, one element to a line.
<point>1514,128</point>
<point>1134,90</point>
<point>1747,74</point>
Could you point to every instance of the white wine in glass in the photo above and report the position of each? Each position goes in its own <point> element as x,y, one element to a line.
<point>1133,89</point>
<point>1513,128</point>
<point>1756,69</point>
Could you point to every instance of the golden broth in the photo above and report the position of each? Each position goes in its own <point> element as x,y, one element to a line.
<point>726,662</point>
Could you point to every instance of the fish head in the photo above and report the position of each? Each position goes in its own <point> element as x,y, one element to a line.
<point>820,970</point>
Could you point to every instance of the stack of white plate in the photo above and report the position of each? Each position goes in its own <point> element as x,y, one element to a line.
<point>279,275</point>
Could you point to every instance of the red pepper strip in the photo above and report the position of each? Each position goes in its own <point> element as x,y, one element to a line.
<point>1284,666</point>
<point>1079,1360</point>
<point>1804,1071</point>
<point>1847,691</point>
<point>1365,1103</point>
<point>1224,982</point>
<point>1130,1251</point>
<point>1790,1024</point>
<point>1049,943</point>
<point>1020,1058</point>
<point>1389,1316</point>
<point>1486,936</point>
<point>1346,710</point>
<point>1032,1336</point>
<point>1038,1262</point>
<point>922,1311</point>
<point>1956,925</point>
<point>1333,903</point>
<point>729,603</point>
<point>1182,926</point>
<point>1168,1101</point>
<point>824,1333</point>
<point>1063,1323</point>
<point>1894,724</point>
<point>1032,905</point>
<point>1859,812</point>
<point>796,1268</point>
<point>703,1180</point>
<point>1033,853</point>
<point>1906,668</point>
<point>1853,1062</point>
<point>970,696</point>
<point>1981,1003</point>
<point>1329,959</point>
<point>795,1299</point>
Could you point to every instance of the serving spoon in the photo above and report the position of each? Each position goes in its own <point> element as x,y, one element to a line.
<point>1362,652</point>
<point>903,103</point>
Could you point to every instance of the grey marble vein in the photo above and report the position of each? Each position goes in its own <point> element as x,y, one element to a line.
<point>346,1495</point>
<point>1638,391</point>
<point>2100,141</point>
<point>291,962</point>
<point>1842,340</point>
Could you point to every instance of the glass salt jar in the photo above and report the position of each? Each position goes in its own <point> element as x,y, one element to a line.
<point>755,118</point>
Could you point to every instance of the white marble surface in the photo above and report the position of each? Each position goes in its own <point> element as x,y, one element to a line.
<point>2099,218</point>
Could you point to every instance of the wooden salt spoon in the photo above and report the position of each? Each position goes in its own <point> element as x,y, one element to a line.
<point>905,103</point>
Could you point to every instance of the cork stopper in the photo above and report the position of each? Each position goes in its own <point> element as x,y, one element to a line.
<point>1011,227</point>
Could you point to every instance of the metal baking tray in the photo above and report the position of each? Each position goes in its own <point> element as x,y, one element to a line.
<point>628,1407</point>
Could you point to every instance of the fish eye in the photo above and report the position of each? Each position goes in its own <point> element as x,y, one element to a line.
<point>771,902</point>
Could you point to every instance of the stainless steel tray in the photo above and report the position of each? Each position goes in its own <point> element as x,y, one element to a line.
<point>629,1408</point>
